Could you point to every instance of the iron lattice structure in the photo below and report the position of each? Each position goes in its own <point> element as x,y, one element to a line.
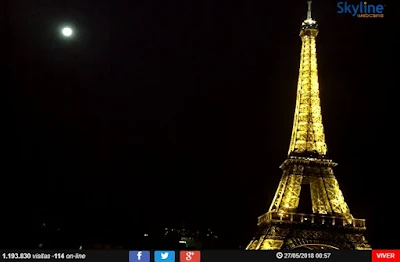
<point>330,224</point>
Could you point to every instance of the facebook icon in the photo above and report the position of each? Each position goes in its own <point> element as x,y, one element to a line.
<point>139,256</point>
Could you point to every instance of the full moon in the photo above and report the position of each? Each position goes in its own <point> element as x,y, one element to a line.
<point>66,31</point>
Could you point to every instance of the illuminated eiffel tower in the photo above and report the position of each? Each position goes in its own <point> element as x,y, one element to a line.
<point>307,169</point>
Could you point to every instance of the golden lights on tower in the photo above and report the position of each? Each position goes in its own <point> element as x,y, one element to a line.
<point>329,224</point>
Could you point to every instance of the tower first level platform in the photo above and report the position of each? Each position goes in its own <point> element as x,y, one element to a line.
<point>303,233</point>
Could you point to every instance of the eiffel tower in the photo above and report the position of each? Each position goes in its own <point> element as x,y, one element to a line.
<point>330,225</point>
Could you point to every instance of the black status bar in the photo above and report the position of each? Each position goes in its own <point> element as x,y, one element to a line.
<point>205,256</point>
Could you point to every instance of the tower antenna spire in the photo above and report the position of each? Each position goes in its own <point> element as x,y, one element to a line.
<point>309,10</point>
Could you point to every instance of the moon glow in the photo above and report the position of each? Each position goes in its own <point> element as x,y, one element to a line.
<point>66,31</point>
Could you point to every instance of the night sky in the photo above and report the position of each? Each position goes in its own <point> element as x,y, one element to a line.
<point>154,113</point>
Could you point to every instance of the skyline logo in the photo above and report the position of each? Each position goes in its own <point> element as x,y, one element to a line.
<point>189,256</point>
<point>139,256</point>
<point>164,256</point>
<point>361,10</point>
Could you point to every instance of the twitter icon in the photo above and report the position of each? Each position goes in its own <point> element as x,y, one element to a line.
<point>164,256</point>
